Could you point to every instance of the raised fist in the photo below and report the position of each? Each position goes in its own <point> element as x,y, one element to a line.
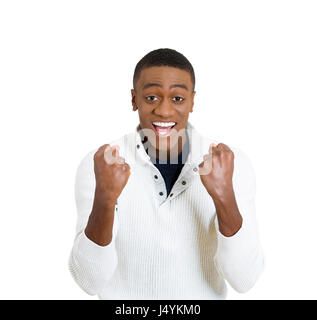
<point>111,173</point>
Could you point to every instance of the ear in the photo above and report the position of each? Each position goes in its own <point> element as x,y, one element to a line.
<point>192,102</point>
<point>133,96</point>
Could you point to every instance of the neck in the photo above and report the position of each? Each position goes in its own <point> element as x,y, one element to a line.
<point>170,152</point>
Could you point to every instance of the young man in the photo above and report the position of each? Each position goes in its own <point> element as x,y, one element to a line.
<point>163,212</point>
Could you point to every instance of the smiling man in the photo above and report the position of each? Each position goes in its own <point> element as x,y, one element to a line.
<point>164,212</point>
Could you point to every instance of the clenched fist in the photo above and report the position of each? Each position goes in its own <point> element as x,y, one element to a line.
<point>111,173</point>
<point>216,170</point>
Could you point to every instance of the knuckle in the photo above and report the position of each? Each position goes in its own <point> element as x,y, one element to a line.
<point>103,147</point>
<point>100,151</point>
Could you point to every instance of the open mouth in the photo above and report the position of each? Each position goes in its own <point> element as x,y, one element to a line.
<point>163,128</point>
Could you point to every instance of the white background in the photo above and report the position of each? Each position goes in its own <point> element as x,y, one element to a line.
<point>66,72</point>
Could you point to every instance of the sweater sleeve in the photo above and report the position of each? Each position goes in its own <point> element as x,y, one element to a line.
<point>240,258</point>
<point>90,265</point>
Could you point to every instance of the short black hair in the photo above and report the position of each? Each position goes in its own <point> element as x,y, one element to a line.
<point>164,57</point>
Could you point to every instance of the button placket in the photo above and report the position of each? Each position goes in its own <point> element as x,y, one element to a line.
<point>159,183</point>
<point>182,183</point>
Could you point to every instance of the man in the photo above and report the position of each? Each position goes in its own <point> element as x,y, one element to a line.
<point>163,212</point>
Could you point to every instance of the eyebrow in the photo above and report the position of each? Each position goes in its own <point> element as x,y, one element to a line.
<point>176,85</point>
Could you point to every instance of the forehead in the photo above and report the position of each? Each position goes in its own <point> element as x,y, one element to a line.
<point>164,75</point>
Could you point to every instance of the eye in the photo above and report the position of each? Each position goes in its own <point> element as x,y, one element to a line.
<point>150,98</point>
<point>179,99</point>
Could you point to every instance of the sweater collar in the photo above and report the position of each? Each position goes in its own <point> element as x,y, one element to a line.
<point>196,146</point>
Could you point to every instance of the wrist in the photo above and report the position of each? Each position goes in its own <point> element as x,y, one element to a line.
<point>223,194</point>
<point>104,199</point>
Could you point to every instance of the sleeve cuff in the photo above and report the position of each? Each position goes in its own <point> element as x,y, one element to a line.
<point>239,245</point>
<point>92,251</point>
<point>234,243</point>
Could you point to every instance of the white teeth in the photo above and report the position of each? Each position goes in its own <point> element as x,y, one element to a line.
<point>164,124</point>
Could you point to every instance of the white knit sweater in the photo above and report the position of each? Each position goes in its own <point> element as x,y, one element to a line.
<point>166,247</point>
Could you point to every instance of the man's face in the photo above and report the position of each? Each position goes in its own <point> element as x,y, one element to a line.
<point>164,98</point>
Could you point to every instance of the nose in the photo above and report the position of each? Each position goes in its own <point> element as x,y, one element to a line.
<point>164,109</point>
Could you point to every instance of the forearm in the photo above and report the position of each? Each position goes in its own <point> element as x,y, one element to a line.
<point>239,256</point>
<point>100,223</point>
<point>92,265</point>
<point>229,217</point>
<point>93,259</point>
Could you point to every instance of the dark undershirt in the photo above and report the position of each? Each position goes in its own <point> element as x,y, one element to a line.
<point>170,171</point>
